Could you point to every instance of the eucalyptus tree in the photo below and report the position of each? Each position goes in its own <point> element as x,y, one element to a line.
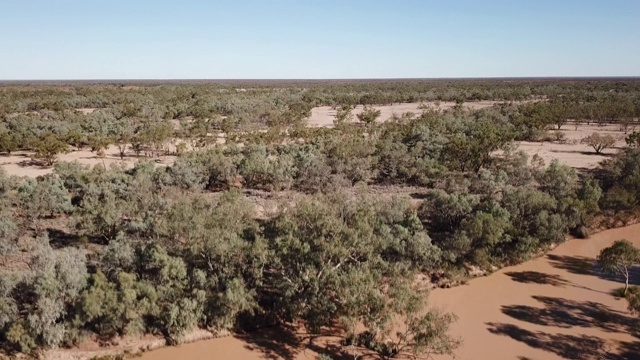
<point>619,259</point>
<point>599,142</point>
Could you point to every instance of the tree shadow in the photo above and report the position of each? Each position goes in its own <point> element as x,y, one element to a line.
<point>535,277</point>
<point>582,152</point>
<point>573,264</point>
<point>329,342</point>
<point>40,164</point>
<point>577,347</point>
<point>582,170</point>
<point>60,239</point>
<point>629,350</point>
<point>566,313</point>
<point>588,266</point>
<point>335,352</point>
<point>289,342</point>
<point>279,342</point>
<point>419,195</point>
<point>580,347</point>
<point>634,276</point>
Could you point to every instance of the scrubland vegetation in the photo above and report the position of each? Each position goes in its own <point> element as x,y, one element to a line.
<point>105,252</point>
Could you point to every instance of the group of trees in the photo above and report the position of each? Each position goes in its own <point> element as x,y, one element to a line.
<point>49,121</point>
<point>417,151</point>
<point>620,180</point>
<point>169,261</point>
<point>56,133</point>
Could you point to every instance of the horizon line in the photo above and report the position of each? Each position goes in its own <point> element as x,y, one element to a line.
<point>156,80</point>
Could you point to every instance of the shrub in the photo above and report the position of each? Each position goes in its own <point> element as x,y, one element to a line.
<point>8,142</point>
<point>210,169</point>
<point>369,115</point>
<point>312,171</point>
<point>262,170</point>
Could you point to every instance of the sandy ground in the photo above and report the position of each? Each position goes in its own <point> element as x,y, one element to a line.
<point>324,115</point>
<point>19,163</point>
<point>572,152</point>
<point>554,307</point>
<point>86,111</point>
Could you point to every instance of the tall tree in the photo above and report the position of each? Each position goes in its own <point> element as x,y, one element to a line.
<point>618,259</point>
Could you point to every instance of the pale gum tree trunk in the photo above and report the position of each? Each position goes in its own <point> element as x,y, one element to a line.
<point>626,280</point>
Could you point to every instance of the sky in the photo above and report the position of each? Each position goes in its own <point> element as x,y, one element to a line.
<point>317,39</point>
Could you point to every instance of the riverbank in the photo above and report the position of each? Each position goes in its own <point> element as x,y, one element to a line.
<point>553,307</point>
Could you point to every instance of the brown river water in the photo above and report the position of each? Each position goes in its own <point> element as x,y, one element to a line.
<point>553,307</point>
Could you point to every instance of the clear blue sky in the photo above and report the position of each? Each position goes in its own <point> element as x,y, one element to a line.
<point>253,39</point>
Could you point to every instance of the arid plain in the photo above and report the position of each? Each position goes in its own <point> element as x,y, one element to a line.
<point>558,306</point>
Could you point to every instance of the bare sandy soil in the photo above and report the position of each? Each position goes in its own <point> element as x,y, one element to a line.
<point>19,163</point>
<point>571,152</point>
<point>86,111</point>
<point>555,307</point>
<point>324,115</point>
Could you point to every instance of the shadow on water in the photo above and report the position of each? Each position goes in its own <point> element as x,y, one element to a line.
<point>287,342</point>
<point>566,313</point>
<point>574,264</point>
<point>536,277</point>
<point>578,347</point>
<point>588,266</point>
<point>279,342</point>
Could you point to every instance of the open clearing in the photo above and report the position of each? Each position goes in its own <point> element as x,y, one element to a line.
<point>324,115</point>
<point>19,163</point>
<point>554,307</point>
<point>570,151</point>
